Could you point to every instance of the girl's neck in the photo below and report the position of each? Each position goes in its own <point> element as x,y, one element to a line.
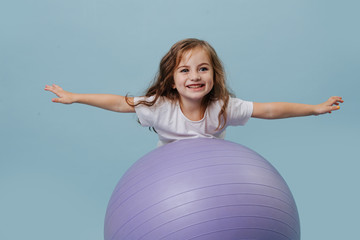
<point>194,112</point>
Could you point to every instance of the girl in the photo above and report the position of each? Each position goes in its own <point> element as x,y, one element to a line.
<point>189,98</point>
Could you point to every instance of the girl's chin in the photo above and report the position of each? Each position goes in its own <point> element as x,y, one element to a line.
<point>192,97</point>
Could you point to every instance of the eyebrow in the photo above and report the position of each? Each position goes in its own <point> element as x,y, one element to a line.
<point>197,66</point>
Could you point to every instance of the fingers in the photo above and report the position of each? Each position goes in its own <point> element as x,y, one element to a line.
<point>56,90</point>
<point>53,88</point>
<point>334,103</point>
<point>49,88</point>
<point>56,100</point>
<point>335,100</point>
<point>334,108</point>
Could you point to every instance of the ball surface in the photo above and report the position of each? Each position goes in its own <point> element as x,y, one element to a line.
<point>203,189</point>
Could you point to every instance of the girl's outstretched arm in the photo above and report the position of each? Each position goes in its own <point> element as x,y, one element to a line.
<point>110,102</point>
<point>277,110</point>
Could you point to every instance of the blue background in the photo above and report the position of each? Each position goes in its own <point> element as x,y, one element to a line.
<point>59,164</point>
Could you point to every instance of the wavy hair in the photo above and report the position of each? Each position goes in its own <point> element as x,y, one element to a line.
<point>162,86</point>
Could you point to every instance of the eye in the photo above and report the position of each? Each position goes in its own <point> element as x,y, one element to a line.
<point>184,70</point>
<point>203,69</point>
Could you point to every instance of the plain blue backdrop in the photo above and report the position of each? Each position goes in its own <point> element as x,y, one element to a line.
<point>59,164</point>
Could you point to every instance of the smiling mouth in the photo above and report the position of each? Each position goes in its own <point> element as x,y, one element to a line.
<point>195,86</point>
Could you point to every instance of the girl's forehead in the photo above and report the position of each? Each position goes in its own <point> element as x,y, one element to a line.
<point>188,54</point>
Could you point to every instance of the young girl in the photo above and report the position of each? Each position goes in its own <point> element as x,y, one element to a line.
<point>189,98</point>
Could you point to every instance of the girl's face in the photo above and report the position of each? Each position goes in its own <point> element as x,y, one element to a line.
<point>193,77</point>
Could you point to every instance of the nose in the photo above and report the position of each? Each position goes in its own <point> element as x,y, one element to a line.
<point>194,76</point>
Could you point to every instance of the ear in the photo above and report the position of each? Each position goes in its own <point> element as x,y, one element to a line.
<point>173,86</point>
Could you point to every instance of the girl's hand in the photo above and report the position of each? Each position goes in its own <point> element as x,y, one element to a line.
<point>63,96</point>
<point>332,104</point>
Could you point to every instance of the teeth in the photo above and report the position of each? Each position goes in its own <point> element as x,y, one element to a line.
<point>195,86</point>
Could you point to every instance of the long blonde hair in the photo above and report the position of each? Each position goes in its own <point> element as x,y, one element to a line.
<point>163,83</point>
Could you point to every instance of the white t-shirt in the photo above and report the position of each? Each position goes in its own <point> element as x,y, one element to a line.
<point>171,124</point>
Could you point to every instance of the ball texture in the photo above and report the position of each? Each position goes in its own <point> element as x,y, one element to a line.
<point>203,189</point>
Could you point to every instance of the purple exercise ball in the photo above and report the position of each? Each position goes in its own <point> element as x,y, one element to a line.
<point>202,189</point>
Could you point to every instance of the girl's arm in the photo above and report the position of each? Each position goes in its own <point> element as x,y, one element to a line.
<point>110,102</point>
<point>277,110</point>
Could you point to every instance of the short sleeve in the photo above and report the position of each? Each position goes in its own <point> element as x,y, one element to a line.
<point>239,111</point>
<point>145,113</point>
